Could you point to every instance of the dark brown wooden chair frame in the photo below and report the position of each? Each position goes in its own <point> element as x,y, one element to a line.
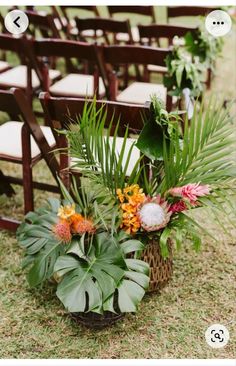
<point>141,10</point>
<point>130,54</point>
<point>15,103</point>
<point>90,53</point>
<point>107,26</point>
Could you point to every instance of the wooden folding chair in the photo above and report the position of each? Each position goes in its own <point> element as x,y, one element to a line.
<point>61,112</point>
<point>188,11</point>
<point>44,23</point>
<point>108,27</point>
<point>19,76</point>
<point>23,141</point>
<point>73,84</point>
<point>67,24</point>
<point>140,91</point>
<point>153,34</point>
<point>4,65</point>
<point>144,11</point>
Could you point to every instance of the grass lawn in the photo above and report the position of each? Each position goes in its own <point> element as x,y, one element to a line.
<point>33,323</point>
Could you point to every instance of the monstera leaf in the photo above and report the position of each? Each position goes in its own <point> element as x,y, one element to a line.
<point>90,282</point>
<point>41,246</point>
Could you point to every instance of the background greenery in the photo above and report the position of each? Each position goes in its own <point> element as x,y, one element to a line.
<point>33,324</point>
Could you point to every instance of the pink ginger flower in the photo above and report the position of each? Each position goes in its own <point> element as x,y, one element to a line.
<point>178,207</point>
<point>190,191</point>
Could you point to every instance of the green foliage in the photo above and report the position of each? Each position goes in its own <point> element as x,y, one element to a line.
<point>205,154</point>
<point>91,281</point>
<point>160,124</point>
<point>183,73</point>
<point>203,46</point>
<point>41,246</point>
<point>95,154</point>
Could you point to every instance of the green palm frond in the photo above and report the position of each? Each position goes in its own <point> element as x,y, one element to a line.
<point>94,152</point>
<point>205,154</point>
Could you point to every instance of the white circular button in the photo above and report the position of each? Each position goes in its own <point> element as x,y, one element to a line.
<point>217,336</point>
<point>16,22</point>
<point>218,23</point>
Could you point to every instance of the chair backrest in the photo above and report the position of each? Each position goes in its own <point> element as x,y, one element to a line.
<point>90,53</point>
<point>143,55</point>
<point>65,8</point>
<point>44,23</point>
<point>107,26</point>
<point>61,110</point>
<point>187,11</point>
<point>15,45</point>
<point>141,10</point>
<point>158,31</point>
<point>15,103</point>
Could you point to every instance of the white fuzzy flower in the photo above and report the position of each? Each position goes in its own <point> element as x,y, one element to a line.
<point>152,214</point>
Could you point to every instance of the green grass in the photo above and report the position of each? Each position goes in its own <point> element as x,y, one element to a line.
<point>33,323</point>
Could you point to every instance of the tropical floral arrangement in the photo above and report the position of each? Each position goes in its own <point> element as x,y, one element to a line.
<point>91,241</point>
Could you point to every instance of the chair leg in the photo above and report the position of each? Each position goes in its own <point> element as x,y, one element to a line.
<point>27,171</point>
<point>28,188</point>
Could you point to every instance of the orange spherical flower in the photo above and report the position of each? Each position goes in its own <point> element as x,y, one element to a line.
<point>84,226</point>
<point>62,231</point>
<point>65,212</point>
<point>74,219</point>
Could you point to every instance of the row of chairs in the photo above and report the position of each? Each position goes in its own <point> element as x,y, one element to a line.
<point>102,62</point>
<point>70,27</point>
<point>30,142</point>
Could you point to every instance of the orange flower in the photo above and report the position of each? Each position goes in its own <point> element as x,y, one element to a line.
<point>62,231</point>
<point>120,195</point>
<point>131,197</point>
<point>74,219</point>
<point>84,226</point>
<point>134,194</point>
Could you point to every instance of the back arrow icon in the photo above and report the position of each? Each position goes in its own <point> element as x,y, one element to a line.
<point>15,22</point>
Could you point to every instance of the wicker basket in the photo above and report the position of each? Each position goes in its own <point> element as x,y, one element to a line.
<point>161,269</point>
<point>96,321</point>
<point>93,320</point>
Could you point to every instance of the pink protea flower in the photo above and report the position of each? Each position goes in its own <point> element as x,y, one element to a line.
<point>62,231</point>
<point>190,191</point>
<point>178,207</point>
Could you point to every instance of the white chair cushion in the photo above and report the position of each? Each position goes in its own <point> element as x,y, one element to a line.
<point>124,37</point>
<point>3,65</point>
<point>156,68</point>
<point>119,141</point>
<point>11,144</point>
<point>139,93</point>
<point>17,77</point>
<point>76,85</point>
